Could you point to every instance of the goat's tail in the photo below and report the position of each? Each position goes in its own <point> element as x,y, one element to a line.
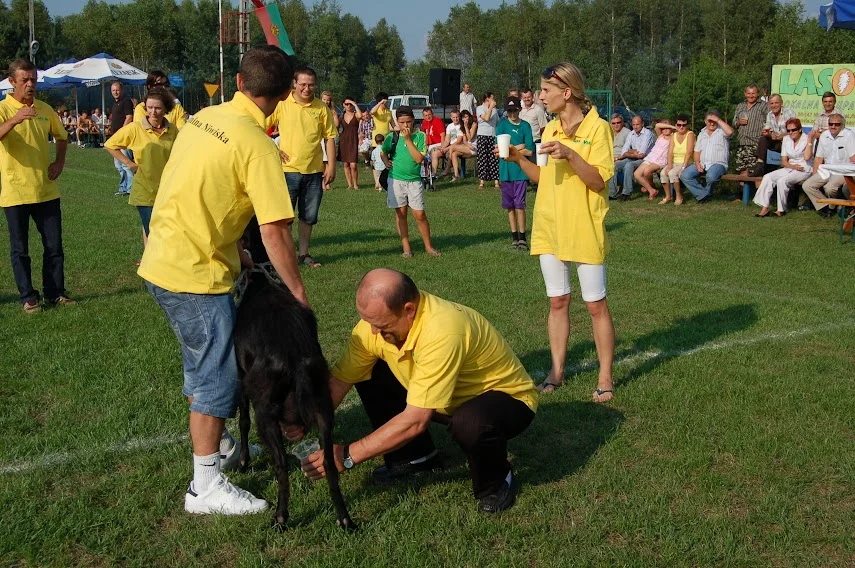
<point>309,388</point>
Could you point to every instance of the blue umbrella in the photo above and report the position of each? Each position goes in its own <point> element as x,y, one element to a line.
<point>837,14</point>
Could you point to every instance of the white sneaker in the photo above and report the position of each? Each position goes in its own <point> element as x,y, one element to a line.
<point>223,498</point>
<point>231,460</point>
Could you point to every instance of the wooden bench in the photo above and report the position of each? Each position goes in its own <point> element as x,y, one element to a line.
<point>846,212</point>
<point>748,182</point>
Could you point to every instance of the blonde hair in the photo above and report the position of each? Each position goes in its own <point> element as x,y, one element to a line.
<point>564,75</point>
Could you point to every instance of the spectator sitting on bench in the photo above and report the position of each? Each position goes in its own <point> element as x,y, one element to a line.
<point>836,147</point>
<point>711,155</point>
<point>829,107</point>
<point>774,132</point>
<point>84,128</point>
<point>637,145</point>
<point>796,165</point>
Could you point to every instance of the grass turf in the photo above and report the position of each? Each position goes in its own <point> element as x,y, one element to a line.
<point>730,442</point>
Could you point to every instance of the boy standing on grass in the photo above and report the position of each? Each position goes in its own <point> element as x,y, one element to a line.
<point>405,180</point>
<point>377,164</point>
<point>513,179</point>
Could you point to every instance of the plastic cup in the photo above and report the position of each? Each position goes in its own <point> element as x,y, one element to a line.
<point>504,141</point>
<point>305,448</point>
<point>542,159</point>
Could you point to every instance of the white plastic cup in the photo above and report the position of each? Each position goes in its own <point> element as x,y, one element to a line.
<point>504,141</point>
<point>305,448</point>
<point>542,159</point>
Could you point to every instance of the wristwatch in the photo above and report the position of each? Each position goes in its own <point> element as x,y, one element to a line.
<point>348,461</point>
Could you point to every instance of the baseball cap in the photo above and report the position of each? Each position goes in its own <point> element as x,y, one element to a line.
<point>512,103</point>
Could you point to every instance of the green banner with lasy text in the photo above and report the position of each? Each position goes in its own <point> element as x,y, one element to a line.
<point>802,87</point>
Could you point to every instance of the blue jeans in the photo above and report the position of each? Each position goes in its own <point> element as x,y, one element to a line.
<point>690,175</point>
<point>48,219</point>
<point>306,191</point>
<point>204,325</point>
<point>126,176</point>
<point>627,167</point>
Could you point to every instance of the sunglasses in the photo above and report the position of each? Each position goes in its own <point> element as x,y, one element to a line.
<point>792,130</point>
<point>617,122</point>
<point>835,124</point>
<point>681,125</point>
<point>549,73</point>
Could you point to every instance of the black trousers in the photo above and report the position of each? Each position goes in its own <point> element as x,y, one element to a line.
<point>481,426</point>
<point>766,143</point>
<point>48,220</point>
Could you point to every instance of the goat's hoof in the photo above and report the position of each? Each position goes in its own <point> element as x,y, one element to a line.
<point>280,524</point>
<point>347,524</point>
<point>244,466</point>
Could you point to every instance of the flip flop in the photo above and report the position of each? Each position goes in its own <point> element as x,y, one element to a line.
<point>549,385</point>
<point>406,255</point>
<point>308,260</point>
<point>598,394</point>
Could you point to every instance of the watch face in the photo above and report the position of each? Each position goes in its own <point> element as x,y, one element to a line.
<point>348,463</point>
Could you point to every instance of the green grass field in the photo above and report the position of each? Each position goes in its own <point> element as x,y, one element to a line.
<point>731,441</point>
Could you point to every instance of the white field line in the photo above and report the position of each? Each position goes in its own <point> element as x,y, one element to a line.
<point>62,458</point>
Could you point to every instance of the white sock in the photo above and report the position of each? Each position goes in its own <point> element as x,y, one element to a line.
<point>205,470</point>
<point>227,442</point>
<point>509,477</point>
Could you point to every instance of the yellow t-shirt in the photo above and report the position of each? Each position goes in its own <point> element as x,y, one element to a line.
<point>452,354</point>
<point>301,130</point>
<point>151,152</point>
<point>569,219</point>
<point>25,154</point>
<point>222,168</point>
<point>177,116</point>
<point>382,124</point>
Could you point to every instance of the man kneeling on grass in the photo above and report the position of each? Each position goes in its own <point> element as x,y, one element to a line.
<point>415,358</point>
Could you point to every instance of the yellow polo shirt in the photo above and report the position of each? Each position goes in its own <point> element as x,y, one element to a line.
<point>569,219</point>
<point>382,124</point>
<point>301,130</point>
<point>151,152</point>
<point>177,116</point>
<point>222,168</point>
<point>25,154</point>
<point>452,354</point>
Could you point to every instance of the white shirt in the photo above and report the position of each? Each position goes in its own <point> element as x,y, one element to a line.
<point>795,153</point>
<point>836,151</point>
<point>467,101</point>
<point>379,165</point>
<point>536,117</point>
<point>713,148</point>
<point>453,132</point>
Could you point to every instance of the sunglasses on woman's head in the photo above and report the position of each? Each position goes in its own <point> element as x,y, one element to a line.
<point>549,73</point>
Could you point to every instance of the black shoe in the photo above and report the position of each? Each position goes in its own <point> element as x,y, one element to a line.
<point>502,499</point>
<point>757,170</point>
<point>704,200</point>
<point>825,212</point>
<point>623,197</point>
<point>395,472</point>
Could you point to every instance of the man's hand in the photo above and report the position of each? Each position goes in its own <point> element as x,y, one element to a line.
<point>743,121</point>
<point>329,173</point>
<point>133,166</point>
<point>313,465</point>
<point>55,169</point>
<point>700,167</point>
<point>406,132</point>
<point>284,157</point>
<point>24,113</point>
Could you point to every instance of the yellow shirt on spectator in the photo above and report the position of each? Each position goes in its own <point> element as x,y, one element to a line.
<point>177,116</point>
<point>301,130</point>
<point>452,354</point>
<point>151,152</point>
<point>222,168</point>
<point>569,219</point>
<point>25,154</point>
<point>382,124</point>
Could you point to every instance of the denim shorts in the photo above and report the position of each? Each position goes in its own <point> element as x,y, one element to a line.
<point>306,192</point>
<point>145,216</point>
<point>204,325</point>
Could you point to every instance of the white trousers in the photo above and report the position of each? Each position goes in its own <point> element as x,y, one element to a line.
<point>784,179</point>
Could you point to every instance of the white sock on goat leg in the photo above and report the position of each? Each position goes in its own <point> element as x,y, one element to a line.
<point>227,442</point>
<point>205,470</point>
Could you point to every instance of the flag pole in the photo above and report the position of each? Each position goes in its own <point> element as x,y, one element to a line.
<point>222,80</point>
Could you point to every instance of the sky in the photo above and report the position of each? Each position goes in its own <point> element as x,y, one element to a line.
<point>405,14</point>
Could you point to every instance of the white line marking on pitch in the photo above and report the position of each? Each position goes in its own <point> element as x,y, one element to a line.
<point>62,458</point>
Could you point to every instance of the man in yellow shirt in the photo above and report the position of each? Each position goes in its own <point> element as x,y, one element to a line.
<point>222,169</point>
<point>414,358</point>
<point>29,185</point>
<point>304,124</point>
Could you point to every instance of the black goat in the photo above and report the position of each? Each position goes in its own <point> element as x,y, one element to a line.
<point>285,376</point>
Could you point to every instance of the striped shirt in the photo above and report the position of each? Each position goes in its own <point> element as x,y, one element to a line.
<point>778,125</point>
<point>642,142</point>
<point>749,134</point>
<point>713,148</point>
<point>822,120</point>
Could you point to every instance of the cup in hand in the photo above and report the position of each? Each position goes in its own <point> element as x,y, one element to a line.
<point>542,159</point>
<point>504,141</point>
<point>305,448</point>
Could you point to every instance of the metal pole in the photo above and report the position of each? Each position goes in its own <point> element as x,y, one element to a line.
<point>222,77</point>
<point>243,32</point>
<point>32,33</point>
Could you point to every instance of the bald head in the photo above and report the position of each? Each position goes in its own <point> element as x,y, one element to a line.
<point>393,287</point>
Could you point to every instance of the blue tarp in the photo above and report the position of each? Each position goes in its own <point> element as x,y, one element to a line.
<point>837,14</point>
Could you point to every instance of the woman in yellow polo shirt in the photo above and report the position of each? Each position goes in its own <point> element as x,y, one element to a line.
<point>150,139</point>
<point>569,217</point>
<point>384,122</point>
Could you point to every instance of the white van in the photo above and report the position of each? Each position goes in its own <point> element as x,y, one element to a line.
<point>416,102</point>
